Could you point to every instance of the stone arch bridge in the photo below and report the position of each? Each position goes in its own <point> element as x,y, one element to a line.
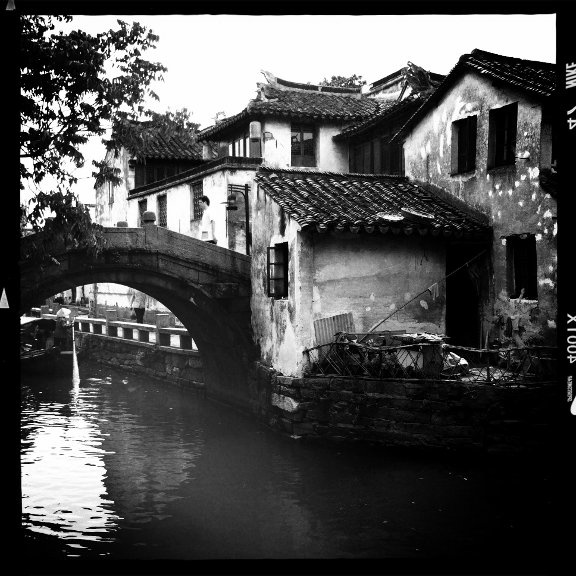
<point>206,286</point>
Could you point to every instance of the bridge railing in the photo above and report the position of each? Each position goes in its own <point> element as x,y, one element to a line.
<point>159,333</point>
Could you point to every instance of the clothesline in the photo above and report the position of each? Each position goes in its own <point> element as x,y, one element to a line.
<point>420,294</point>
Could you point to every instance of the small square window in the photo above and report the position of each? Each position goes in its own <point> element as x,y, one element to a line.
<point>303,145</point>
<point>502,136</point>
<point>278,270</point>
<point>464,145</point>
<point>522,266</point>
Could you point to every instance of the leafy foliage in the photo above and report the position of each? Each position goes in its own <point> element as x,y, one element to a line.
<point>353,81</point>
<point>74,86</point>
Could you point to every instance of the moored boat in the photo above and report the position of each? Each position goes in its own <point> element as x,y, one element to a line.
<point>38,352</point>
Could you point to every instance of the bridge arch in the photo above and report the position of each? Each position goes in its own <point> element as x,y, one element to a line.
<point>207,287</point>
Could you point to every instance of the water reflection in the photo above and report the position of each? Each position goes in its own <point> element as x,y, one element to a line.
<point>128,468</point>
<point>63,472</point>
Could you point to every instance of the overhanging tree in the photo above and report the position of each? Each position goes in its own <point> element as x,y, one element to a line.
<point>74,86</point>
<point>353,81</point>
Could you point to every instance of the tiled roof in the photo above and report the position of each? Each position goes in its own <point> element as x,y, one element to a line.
<point>313,105</point>
<point>307,102</point>
<point>335,201</point>
<point>386,110</point>
<point>536,78</point>
<point>173,148</point>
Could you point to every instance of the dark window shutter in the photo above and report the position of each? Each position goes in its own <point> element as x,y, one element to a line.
<point>512,119</point>
<point>269,275</point>
<point>139,176</point>
<point>472,128</point>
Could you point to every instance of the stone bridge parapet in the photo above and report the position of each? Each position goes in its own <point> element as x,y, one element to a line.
<point>206,286</point>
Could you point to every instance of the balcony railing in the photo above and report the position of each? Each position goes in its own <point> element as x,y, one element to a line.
<point>437,361</point>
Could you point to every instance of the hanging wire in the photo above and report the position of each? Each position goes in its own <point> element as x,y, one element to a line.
<point>419,294</point>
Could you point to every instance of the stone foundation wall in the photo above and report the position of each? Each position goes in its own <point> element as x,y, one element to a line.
<point>415,413</point>
<point>409,413</point>
<point>181,368</point>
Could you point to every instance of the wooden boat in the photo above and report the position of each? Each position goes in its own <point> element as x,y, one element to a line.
<point>38,353</point>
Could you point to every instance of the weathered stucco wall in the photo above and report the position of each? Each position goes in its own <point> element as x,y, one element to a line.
<point>330,156</point>
<point>390,272</point>
<point>326,277</point>
<point>109,214</point>
<point>281,327</point>
<point>510,195</point>
<point>180,207</point>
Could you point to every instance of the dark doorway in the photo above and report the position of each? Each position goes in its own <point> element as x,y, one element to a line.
<point>463,289</point>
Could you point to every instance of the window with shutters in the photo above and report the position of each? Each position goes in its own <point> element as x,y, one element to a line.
<point>303,145</point>
<point>464,145</point>
<point>502,136</point>
<point>196,191</point>
<point>278,270</point>
<point>142,207</point>
<point>522,266</point>
<point>162,211</point>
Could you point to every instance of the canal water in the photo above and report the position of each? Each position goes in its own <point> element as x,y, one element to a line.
<point>123,467</point>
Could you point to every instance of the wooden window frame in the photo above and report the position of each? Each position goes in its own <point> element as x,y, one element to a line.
<point>162,219</point>
<point>196,192</point>
<point>464,132</point>
<point>502,132</point>
<point>302,160</point>
<point>277,270</point>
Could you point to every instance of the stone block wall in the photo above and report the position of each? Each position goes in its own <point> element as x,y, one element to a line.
<point>415,413</point>
<point>181,368</point>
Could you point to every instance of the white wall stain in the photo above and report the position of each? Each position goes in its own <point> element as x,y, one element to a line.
<point>547,214</point>
<point>533,172</point>
<point>520,203</point>
<point>555,230</point>
<point>407,296</point>
<point>523,177</point>
<point>516,183</point>
<point>424,304</point>
<point>510,192</point>
<point>538,237</point>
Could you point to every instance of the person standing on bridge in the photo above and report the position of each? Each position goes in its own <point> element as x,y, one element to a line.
<point>207,226</point>
<point>138,304</point>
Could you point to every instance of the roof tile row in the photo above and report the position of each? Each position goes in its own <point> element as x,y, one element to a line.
<point>330,200</point>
